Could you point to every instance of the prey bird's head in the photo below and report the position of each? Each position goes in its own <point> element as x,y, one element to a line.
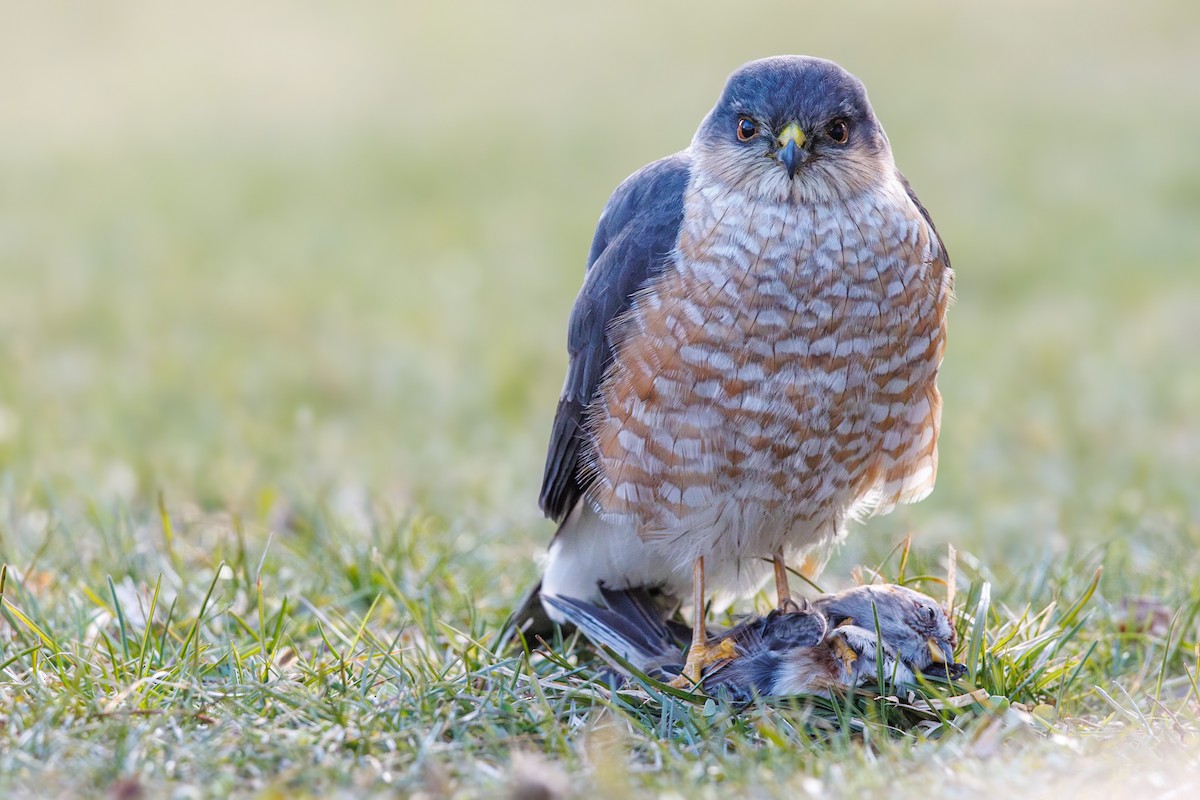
<point>895,624</point>
<point>793,128</point>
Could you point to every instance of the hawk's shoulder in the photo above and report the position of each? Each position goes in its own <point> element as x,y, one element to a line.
<point>634,240</point>
<point>941,255</point>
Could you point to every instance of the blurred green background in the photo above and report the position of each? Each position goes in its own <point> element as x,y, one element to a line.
<point>252,251</point>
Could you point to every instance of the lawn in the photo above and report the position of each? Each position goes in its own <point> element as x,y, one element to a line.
<point>283,296</point>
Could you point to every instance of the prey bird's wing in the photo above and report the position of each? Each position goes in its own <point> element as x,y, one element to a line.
<point>633,244</point>
<point>765,646</point>
<point>779,630</point>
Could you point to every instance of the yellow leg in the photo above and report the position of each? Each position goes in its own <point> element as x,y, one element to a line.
<point>702,653</point>
<point>784,595</point>
<point>699,629</point>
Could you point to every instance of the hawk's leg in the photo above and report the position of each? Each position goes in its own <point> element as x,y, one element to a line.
<point>786,603</point>
<point>701,654</point>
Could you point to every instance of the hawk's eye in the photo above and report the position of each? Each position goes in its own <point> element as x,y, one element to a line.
<point>839,131</point>
<point>746,129</point>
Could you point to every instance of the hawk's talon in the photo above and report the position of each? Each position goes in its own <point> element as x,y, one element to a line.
<point>724,651</point>
<point>789,606</point>
<point>699,659</point>
<point>681,681</point>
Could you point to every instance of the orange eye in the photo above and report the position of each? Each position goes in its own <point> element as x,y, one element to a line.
<point>746,129</point>
<point>839,131</point>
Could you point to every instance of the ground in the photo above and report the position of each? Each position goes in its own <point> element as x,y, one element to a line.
<point>283,292</point>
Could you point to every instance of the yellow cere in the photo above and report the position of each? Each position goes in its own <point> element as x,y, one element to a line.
<point>791,132</point>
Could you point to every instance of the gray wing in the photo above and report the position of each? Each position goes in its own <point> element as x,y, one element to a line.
<point>764,644</point>
<point>633,244</point>
<point>943,256</point>
<point>779,630</point>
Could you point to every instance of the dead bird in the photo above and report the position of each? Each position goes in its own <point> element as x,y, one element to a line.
<point>843,639</point>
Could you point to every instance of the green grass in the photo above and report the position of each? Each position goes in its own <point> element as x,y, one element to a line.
<point>312,292</point>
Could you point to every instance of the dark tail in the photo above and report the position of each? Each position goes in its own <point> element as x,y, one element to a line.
<point>528,620</point>
<point>631,626</point>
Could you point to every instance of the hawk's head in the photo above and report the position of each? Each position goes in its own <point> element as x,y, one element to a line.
<point>793,128</point>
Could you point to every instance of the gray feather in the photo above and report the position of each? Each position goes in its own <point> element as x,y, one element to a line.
<point>633,244</point>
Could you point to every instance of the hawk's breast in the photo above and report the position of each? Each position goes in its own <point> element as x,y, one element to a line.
<point>783,370</point>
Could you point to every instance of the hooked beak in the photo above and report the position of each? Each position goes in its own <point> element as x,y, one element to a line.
<point>791,148</point>
<point>943,661</point>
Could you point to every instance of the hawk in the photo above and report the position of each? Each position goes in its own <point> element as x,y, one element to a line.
<point>753,356</point>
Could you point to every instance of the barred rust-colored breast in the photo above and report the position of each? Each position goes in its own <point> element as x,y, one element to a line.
<point>779,377</point>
